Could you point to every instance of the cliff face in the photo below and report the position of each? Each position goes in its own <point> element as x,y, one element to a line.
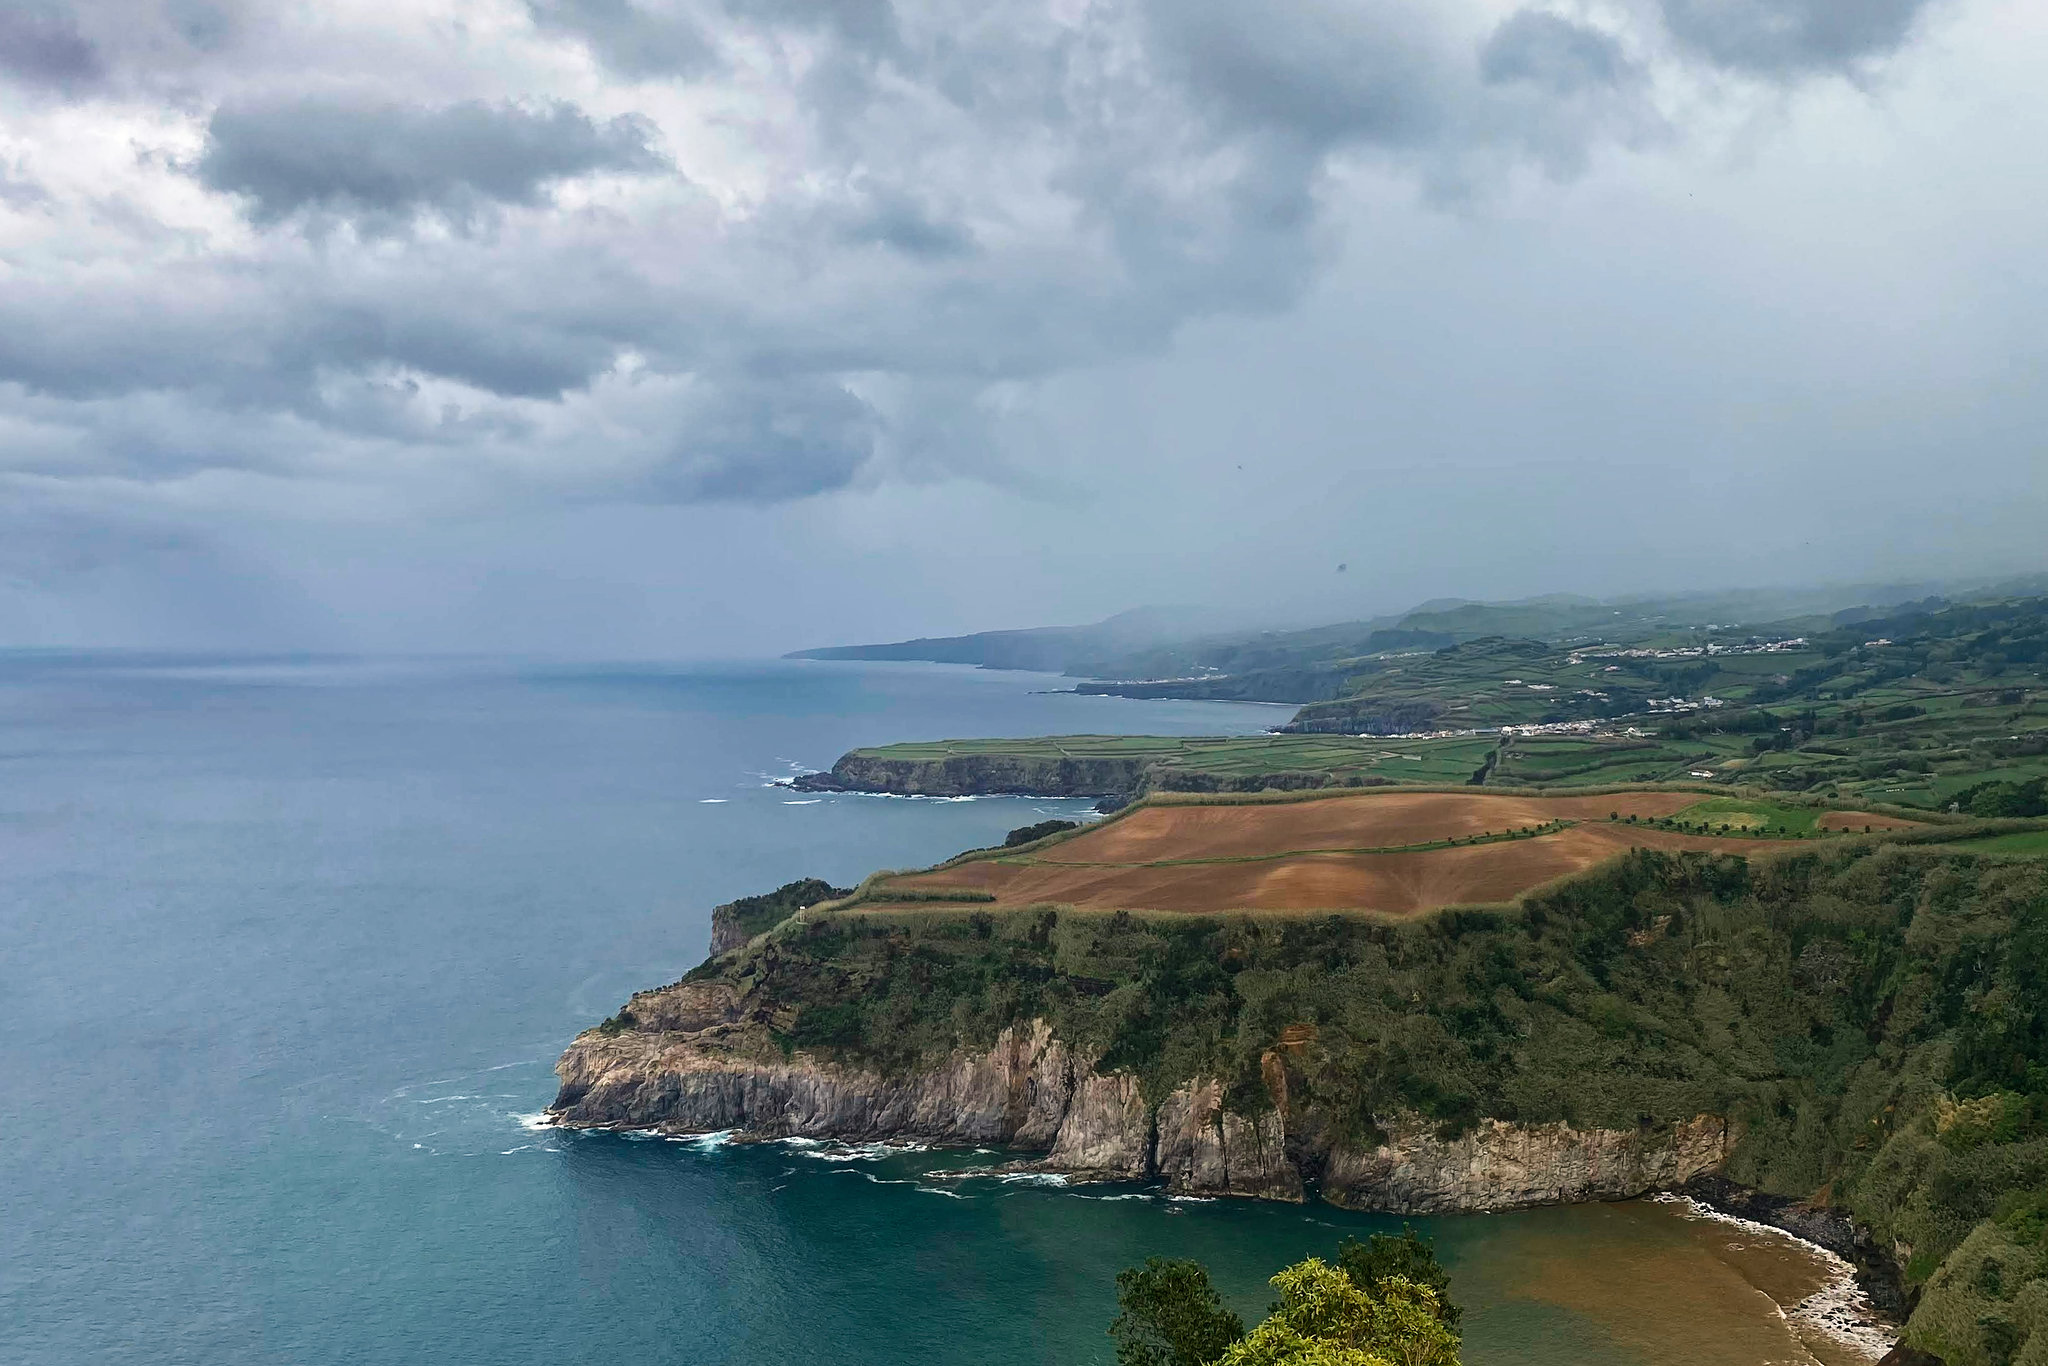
<point>976,775</point>
<point>689,1059</point>
<point>1498,1165</point>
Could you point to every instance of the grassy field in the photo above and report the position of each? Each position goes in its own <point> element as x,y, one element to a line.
<point>2032,842</point>
<point>1749,816</point>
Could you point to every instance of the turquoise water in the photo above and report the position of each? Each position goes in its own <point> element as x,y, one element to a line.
<point>287,951</point>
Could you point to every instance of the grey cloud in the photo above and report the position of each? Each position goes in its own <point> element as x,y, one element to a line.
<point>1325,69</point>
<point>1048,194</point>
<point>868,25</point>
<point>755,442</point>
<point>1785,38</point>
<point>631,38</point>
<point>1553,52</point>
<point>390,161</point>
<point>40,44</point>
<point>894,219</point>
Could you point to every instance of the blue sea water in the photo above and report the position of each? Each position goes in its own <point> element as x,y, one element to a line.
<point>288,948</point>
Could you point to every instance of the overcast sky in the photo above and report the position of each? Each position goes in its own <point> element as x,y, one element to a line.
<point>715,327</point>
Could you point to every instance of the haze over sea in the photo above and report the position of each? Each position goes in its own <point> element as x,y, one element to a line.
<point>288,948</point>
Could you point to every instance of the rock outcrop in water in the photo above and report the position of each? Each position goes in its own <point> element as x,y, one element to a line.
<point>687,1059</point>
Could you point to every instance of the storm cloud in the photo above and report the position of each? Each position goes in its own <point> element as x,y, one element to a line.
<point>498,257</point>
<point>40,44</point>
<point>1783,37</point>
<point>386,160</point>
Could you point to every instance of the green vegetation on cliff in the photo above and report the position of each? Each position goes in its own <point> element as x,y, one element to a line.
<point>1874,1016</point>
<point>734,923</point>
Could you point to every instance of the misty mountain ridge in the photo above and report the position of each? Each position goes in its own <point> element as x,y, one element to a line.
<point>1156,645</point>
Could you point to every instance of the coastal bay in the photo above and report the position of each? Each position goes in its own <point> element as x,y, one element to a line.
<point>326,924</point>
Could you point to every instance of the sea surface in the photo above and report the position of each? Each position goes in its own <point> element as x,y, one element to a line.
<point>288,948</point>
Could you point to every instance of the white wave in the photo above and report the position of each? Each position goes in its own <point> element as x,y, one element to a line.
<point>1034,1179</point>
<point>535,1122</point>
<point>827,1151</point>
<point>1839,1310</point>
<point>808,801</point>
<point>1127,1195</point>
<point>940,1190</point>
<point>925,797</point>
<point>1192,1199</point>
<point>706,1143</point>
<point>713,801</point>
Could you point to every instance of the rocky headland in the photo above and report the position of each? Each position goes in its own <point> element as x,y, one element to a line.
<point>1799,1042</point>
<point>1120,778</point>
<point>696,1058</point>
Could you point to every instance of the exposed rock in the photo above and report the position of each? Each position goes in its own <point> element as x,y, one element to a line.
<point>1497,1165</point>
<point>689,1059</point>
<point>978,774</point>
<point>1204,1149</point>
<point>1016,1093</point>
<point>1107,1130</point>
<point>1902,1355</point>
<point>1111,778</point>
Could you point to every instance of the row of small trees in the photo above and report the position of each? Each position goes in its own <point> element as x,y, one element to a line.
<point>1385,1302</point>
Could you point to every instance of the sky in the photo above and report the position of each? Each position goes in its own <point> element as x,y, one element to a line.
<point>724,327</point>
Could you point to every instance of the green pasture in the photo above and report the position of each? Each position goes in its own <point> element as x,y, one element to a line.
<point>1746,816</point>
<point>2028,842</point>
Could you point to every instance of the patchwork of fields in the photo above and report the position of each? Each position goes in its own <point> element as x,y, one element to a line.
<point>1396,853</point>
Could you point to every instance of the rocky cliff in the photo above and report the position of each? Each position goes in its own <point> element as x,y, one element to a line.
<point>973,775</point>
<point>980,775</point>
<point>693,1058</point>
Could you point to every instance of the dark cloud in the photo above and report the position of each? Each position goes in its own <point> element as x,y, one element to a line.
<point>895,219</point>
<point>1324,69</point>
<point>389,161</point>
<point>1553,52</point>
<point>898,218</point>
<point>753,442</point>
<point>1783,38</point>
<point>40,44</point>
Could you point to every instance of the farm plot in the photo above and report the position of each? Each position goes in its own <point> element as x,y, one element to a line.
<point>1396,853</point>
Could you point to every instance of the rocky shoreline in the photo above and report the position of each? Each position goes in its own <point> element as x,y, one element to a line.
<point>1877,1271</point>
<point>685,1059</point>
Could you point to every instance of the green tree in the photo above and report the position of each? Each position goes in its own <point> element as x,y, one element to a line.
<point>1384,1256</point>
<point>1169,1315</point>
<point>1324,1319</point>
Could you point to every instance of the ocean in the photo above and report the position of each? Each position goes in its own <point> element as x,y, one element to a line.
<point>288,948</point>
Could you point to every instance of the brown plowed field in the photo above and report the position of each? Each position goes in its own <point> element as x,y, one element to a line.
<point>1856,820</point>
<point>1119,866</point>
<point>1366,821</point>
